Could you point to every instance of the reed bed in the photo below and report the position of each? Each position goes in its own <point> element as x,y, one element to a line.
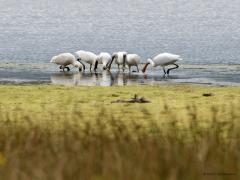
<point>54,132</point>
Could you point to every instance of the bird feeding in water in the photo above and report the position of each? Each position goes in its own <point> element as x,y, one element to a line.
<point>163,60</point>
<point>65,59</point>
<point>120,59</point>
<point>104,58</point>
<point>88,57</point>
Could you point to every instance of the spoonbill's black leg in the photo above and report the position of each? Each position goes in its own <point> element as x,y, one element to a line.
<point>137,69</point>
<point>118,67</point>
<point>90,67</point>
<point>95,66</point>
<point>176,66</point>
<point>164,70</point>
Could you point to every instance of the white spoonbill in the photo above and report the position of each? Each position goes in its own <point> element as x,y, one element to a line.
<point>104,58</point>
<point>88,57</point>
<point>163,60</point>
<point>120,59</point>
<point>65,59</point>
<point>133,60</point>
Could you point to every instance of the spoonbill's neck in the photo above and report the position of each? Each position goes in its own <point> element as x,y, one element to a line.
<point>53,60</point>
<point>151,62</point>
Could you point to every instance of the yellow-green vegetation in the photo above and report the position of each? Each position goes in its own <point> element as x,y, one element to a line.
<point>57,132</point>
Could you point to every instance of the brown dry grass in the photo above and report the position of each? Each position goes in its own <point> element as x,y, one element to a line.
<point>52,132</point>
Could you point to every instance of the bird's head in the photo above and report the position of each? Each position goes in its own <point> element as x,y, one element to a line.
<point>79,65</point>
<point>105,65</point>
<point>53,60</point>
<point>149,61</point>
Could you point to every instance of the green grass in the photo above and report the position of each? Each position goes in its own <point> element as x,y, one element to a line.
<point>56,132</point>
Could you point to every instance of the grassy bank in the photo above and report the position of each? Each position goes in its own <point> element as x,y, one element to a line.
<point>56,132</point>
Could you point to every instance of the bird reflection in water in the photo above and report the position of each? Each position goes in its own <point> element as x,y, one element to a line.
<point>106,78</point>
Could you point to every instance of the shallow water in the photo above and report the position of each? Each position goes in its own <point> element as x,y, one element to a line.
<point>219,75</point>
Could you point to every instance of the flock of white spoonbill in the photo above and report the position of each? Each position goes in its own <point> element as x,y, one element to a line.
<point>120,58</point>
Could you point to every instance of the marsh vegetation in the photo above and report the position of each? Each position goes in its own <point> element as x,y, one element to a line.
<point>55,132</point>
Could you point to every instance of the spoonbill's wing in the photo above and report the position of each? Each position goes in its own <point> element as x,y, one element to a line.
<point>166,58</point>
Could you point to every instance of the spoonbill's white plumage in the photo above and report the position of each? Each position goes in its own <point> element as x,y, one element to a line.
<point>163,60</point>
<point>104,58</point>
<point>88,57</point>
<point>120,59</point>
<point>133,60</point>
<point>65,59</point>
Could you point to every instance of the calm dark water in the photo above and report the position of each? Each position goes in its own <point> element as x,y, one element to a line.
<point>201,31</point>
